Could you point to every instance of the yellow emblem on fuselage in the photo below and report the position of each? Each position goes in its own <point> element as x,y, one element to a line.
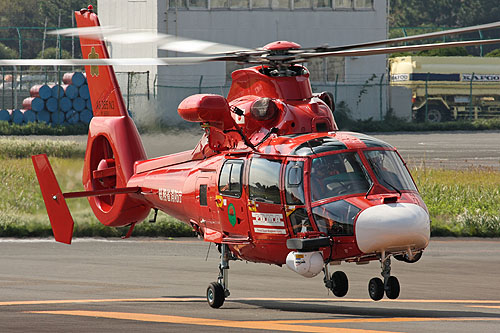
<point>94,70</point>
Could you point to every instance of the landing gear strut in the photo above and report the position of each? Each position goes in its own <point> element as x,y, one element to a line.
<point>218,291</point>
<point>390,285</point>
<point>337,283</point>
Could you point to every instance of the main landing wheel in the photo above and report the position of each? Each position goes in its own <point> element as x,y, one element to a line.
<point>340,284</point>
<point>392,289</point>
<point>215,295</point>
<point>376,289</point>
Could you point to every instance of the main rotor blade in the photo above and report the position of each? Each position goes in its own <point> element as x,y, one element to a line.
<point>396,49</point>
<point>172,61</point>
<point>163,41</point>
<point>412,38</point>
<point>97,33</point>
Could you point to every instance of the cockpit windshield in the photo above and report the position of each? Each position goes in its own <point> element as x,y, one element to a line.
<point>390,170</point>
<point>338,175</point>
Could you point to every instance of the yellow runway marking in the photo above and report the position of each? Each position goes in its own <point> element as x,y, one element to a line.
<point>111,300</point>
<point>277,325</point>
<point>201,299</point>
<point>385,320</point>
<point>288,326</point>
<point>485,306</point>
<point>293,325</point>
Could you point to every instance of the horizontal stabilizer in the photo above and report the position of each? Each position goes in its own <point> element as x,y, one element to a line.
<point>57,209</point>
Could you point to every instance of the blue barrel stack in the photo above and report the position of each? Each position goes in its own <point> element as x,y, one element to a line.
<point>68,103</point>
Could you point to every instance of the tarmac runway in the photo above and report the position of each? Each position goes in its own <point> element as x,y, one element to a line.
<point>448,150</point>
<point>154,285</point>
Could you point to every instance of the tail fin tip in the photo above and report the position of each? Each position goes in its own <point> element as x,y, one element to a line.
<point>57,209</point>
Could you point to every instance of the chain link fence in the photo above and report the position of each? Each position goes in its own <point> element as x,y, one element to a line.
<point>375,98</point>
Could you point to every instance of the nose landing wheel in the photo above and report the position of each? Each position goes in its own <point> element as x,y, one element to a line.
<point>337,283</point>
<point>390,286</point>
<point>218,291</point>
<point>215,295</point>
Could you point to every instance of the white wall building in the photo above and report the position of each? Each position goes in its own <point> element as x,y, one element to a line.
<point>252,24</point>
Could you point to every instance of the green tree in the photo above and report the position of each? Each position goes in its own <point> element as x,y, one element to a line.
<point>472,12</point>
<point>414,13</point>
<point>448,52</point>
<point>447,14</point>
<point>494,53</point>
<point>34,13</point>
<point>7,53</point>
<point>53,53</point>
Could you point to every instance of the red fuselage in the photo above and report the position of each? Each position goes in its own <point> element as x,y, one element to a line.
<point>256,225</point>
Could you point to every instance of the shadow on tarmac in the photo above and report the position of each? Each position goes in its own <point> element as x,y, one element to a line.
<point>306,306</point>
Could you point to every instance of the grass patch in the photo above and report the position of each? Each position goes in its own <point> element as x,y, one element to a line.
<point>461,203</point>
<point>42,129</point>
<point>23,214</point>
<point>20,148</point>
<point>20,225</point>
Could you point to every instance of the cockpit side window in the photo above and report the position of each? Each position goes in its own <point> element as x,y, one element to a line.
<point>230,178</point>
<point>294,183</point>
<point>263,180</point>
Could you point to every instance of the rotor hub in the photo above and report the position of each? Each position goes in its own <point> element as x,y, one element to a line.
<point>281,45</point>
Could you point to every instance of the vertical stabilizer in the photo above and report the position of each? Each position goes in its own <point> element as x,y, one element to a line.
<point>105,93</point>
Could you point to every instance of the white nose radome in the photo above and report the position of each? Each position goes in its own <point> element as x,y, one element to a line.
<point>392,227</point>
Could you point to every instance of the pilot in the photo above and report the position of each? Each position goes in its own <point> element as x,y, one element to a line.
<point>385,175</point>
<point>304,225</point>
<point>300,221</point>
<point>319,173</point>
<point>334,166</point>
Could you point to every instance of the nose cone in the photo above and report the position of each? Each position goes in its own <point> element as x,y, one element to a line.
<point>392,227</point>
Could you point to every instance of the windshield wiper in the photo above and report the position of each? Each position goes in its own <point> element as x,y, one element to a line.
<point>369,190</point>
<point>393,187</point>
<point>380,178</point>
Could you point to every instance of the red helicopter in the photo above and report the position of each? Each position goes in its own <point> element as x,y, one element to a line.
<point>272,179</point>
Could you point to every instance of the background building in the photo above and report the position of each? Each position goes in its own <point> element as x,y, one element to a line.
<point>359,82</point>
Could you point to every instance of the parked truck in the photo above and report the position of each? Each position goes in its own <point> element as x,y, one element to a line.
<point>449,88</point>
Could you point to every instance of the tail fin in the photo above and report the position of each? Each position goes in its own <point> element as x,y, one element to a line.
<point>105,93</point>
<point>113,144</point>
<point>59,215</point>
